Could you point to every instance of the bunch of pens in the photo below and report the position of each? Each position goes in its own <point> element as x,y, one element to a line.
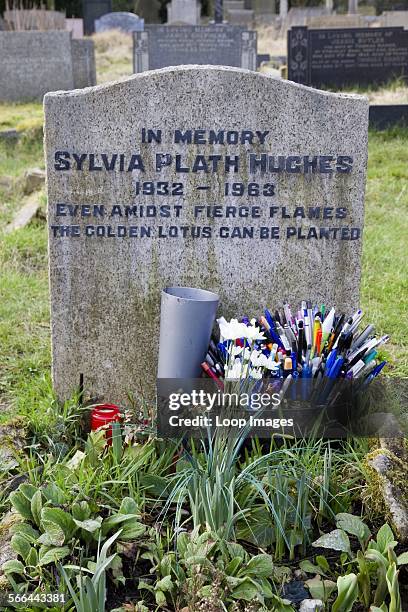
<point>315,345</point>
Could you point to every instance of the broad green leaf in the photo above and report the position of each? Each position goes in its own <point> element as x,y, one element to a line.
<point>13,567</point>
<point>20,545</point>
<point>308,567</point>
<point>54,494</point>
<point>53,536</point>
<point>21,504</point>
<point>160,598</point>
<point>335,540</point>
<point>89,525</point>
<point>247,591</point>
<point>233,566</point>
<point>81,511</point>
<point>58,517</point>
<point>385,538</point>
<point>347,587</point>
<point>354,526</point>
<point>320,589</point>
<point>27,490</point>
<point>27,531</point>
<point>118,519</point>
<point>182,543</point>
<point>402,559</point>
<point>32,557</point>
<point>52,555</point>
<point>165,584</point>
<point>129,506</point>
<point>323,563</point>
<point>260,565</point>
<point>132,531</point>
<point>36,507</point>
<point>236,550</point>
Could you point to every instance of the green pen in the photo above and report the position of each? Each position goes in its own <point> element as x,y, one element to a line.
<point>322,310</point>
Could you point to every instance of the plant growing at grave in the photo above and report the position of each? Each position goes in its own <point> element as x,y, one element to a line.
<point>204,568</point>
<point>375,580</point>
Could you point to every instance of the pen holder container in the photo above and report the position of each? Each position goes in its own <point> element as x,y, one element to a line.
<point>186,321</point>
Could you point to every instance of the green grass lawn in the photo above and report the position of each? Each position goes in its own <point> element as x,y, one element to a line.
<point>24,316</point>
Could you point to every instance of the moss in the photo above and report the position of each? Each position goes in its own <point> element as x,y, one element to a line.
<point>373,494</point>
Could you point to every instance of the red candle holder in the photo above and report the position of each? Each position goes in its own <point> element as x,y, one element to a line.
<point>104,415</point>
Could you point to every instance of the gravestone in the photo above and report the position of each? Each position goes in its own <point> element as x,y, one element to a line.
<point>394,19</point>
<point>75,26</point>
<point>149,10</point>
<point>184,11</point>
<point>162,46</point>
<point>83,63</point>
<point>341,57</point>
<point>126,22</point>
<point>335,21</point>
<point>209,177</point>
<point>92,10</point>
<point>243,17</point>
<point>33,63</point>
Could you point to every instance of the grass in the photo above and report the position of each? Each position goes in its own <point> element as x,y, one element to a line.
<point>24,313</point>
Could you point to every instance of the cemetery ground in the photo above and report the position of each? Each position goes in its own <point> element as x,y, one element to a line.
<point>248,519</point>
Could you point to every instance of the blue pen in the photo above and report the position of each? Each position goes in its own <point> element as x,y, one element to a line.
<point>274,335</point>
<point>332,376</point>
<point>373,374</point>
<point>306,381</point>
<point>331,360</point>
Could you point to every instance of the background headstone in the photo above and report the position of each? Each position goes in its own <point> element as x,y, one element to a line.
<point>339,57</point>
<point>33,63</point>
<point>126,22</point>
<point>149,10</point>
<point>83,63</point>
<point>304,152</point>
<point>92,10</point>
<point>397,19</point>
<point>221,44</point>
<point>186,11</point>
<point>75,26</point>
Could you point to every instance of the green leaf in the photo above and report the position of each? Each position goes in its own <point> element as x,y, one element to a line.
<point>335,540</point>
<point>129,506</point>
<point>27,490</point>
<point>260,565</point>
<point>233,566</point>
<point>13,567</point>
<point>52,555</point>
<point>160,598</point>
<point>247,590</point>
<point>183,541</point>
<point>54,494</point>
<point>56,516</point>
<point>21,504</point>
<point>81,511</point>
<point>323,563</point>
<point>27,531</point>
<point>308,567</point>
<point>89,525</point>
<point>36,507</point>
<point>20,545</point>
<point>53,536</point>
<point>385,538</point>
<point>32,557</point>
<point>236,550</point>
<point>402,559</point>
<point>320,589</point>
<point>165,584</point>
<point>354,526</point>
<point>132,531</point>
<point>347,587</point>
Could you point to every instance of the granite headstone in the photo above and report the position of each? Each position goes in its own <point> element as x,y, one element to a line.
<point>225,45</point>
<point>209,177</point>
<point>184,11</point>
<point>341,57</point>
<point>92,10</point>
<point>33,63</point>
<point>125,22</point>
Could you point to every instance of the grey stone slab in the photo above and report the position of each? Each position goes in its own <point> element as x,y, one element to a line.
<point>184,11</point>
<point>225,45</point>
<point>33,63</point>
<point>130,217</point>
<point>126,22</point>
<point>83,63</point>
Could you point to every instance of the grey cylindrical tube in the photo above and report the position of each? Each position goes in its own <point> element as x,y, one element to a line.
<point>186,320</point>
